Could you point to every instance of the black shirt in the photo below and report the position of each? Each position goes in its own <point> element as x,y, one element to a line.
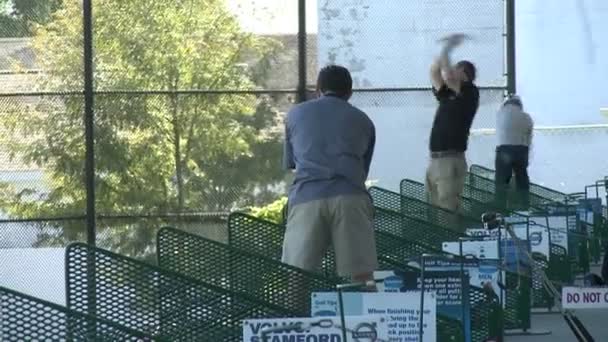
<point>454,118</point>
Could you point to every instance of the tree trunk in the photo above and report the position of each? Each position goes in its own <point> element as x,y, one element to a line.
<point>179,170</point>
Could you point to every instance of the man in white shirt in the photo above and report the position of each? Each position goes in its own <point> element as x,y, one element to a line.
<point>514,130</point>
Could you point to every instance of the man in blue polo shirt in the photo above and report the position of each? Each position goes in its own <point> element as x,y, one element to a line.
<point>330,144</point>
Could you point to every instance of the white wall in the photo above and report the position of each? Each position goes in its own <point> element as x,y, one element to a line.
<point>561,71</point>
<point>562,54</point>
<point>38,272</point>
<point>391,44</point>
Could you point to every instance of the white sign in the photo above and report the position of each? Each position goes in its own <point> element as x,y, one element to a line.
<point>479,249</point>
<point>402,311</point>
<point>585,297</point>
<point>538,237</point>
<point>558,226</point>
<point>326,329</point>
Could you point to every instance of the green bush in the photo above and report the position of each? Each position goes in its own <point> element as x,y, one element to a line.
<point>272,212</point>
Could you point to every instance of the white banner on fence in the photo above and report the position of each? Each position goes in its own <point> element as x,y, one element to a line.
<point>325,329</point>
<point>585,297</point>
<point>558,226</point>
<point>402,311</point>
<point>538,237</point>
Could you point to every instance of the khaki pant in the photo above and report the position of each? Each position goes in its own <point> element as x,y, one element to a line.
<point>346,222</point>
<point>445,179</point>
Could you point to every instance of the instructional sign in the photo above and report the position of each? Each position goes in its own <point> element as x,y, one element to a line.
<point>451,288</point>
<point>327,329</point>
<point>585,297</point>
<point>402,311</point>
<point>558,227</point>
<point>537,236</point>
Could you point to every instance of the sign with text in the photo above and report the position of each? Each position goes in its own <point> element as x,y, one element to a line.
<point>401,310</point>
<point>513,258</point>
<point>558,227</point>
<point>585,297</point>
<point>450,287</point>
<point>537,236</point>
<point>327,329</point>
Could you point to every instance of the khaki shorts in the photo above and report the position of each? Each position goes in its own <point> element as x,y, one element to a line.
<point>445,178</point>
<point>346,222</point>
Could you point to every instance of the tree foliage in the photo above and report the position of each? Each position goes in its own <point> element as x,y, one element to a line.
<point>18,17</point>
<point>274,212</point>
<point>155,152</point>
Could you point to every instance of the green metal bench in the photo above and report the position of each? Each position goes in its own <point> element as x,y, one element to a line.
<point>559,266</point>
<point>157,301</point>
<point>535,189</point>
<point>535,201</point>
<point>25,318</point>
<point>392,255</point>
<point>240,271</point>
<point>413,229</point>
<point>579,256</point>
<point>517,313</point>
<point>420,209</point>
<point>476,202</point>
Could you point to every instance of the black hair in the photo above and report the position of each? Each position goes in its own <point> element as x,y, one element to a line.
<point>336,80</point>
<point>469,69</point>
<point>514,101</point>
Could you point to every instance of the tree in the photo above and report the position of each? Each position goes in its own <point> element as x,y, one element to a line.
<point>17,17</point>
<point>155,152</point>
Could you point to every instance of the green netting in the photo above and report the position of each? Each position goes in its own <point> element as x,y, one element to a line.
<point>535,189</point>
<point>155,300</point>
<point>222,265</point>
<point>515,317</point>
<point>25,318</point>
<point>393,251</point>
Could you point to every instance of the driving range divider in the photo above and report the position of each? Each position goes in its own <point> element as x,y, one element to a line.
<point>157,301</point>
<point>393,254</point>
<point>26,318</point>
<point>557,263</point>
<point>517,310</point>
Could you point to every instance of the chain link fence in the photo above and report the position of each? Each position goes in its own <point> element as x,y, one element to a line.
<point>189,107</point>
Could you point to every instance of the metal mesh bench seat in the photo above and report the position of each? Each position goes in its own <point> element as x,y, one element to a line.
<point>541,204</point>
<point>536,202</point>
<point>421,210</point>
<point>240,271</point>
<point>515,317</point>
<point>481,202</point>
<point>157,301</point>
<point>417,190</point>
<point>413,229</point>
<point>242,236</point>
<point>251,234</point>
<point>538,190</point>
<point>410,187</point>
<point>393,252</point>
<point>25,318</point>
<point>474,201</point>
